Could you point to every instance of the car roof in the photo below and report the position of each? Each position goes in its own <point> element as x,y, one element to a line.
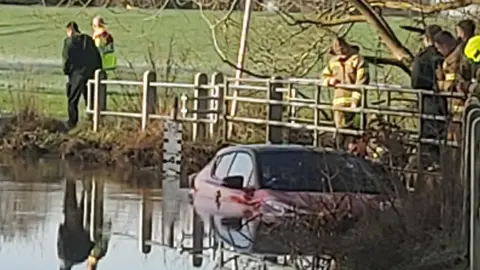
<point>263,148</point>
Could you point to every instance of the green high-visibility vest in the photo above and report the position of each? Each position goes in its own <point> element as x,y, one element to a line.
<point>105,45</point>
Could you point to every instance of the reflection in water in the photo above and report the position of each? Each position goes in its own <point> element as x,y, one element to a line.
<point>92,220</point>
<point>73,244</point>
<point>81,236</point>
<point>146,221</point>
<point>54,212</point>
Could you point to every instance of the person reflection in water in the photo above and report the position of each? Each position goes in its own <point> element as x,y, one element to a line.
<point>73,241</point>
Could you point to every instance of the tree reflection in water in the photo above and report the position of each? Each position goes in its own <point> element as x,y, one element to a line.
<point>25,198</point>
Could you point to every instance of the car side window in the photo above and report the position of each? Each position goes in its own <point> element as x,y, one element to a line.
<point>242,166</point>
<point>222,164</point>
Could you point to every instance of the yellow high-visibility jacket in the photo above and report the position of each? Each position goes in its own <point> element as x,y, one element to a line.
<point>449,74</point>
<point>352,70</point>
<point>104,42</point>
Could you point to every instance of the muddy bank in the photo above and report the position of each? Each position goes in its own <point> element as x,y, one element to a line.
<point>115,145</point>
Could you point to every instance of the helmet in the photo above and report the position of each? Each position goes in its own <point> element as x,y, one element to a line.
<point>472,49</point>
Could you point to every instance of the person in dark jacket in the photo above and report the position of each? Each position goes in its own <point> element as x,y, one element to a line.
<point>465,31</point>
<point>80,60</point>
<point>73,240</point>
<point>424,67</point>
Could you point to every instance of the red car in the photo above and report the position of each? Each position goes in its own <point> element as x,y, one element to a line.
<point>292,179</point>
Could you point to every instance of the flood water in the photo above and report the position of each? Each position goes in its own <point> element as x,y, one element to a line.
<point>32,195</point>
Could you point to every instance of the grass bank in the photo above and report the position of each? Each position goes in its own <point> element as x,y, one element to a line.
<point>119,142</point>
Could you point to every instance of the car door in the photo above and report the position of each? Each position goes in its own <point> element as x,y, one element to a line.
<point>242,165</point>
<point>219,171</point>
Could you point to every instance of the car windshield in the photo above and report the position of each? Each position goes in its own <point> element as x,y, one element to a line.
<point>317,172</point>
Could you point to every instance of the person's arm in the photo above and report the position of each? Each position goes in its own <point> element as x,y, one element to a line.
<point>96,58</point>
<point>418,70</point>
<point>98,41</point>
<point>327,75</point>
<point>362,75</point>
<point>465,75</point>
<point>441,81</point>
<point>66,56</point>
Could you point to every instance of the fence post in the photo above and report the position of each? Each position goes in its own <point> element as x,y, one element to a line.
<point>147,108</point>
<point>363,106</point>
<point>99,98</point>
<point>96,210</point>
<point>474,250</point>
<point>224,111</point>
<point>420,145</point>
<point>146,222</point>
<point>274,112</point>
<point>200,104</point>
<point>152,92</point>
<point>218,81</point>
<point>90,94</point>
<point>472,107</point>
<point>292,95</point>
<point>316,116</point>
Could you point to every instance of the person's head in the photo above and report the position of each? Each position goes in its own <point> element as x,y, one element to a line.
<point>98,23</point>
<point>465,29</point>
<point>341,48</point>
<point>430,32</point>
<point>72,28</point>
<point>444,42</point>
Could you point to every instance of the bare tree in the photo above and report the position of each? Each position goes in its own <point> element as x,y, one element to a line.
<point>293,35</point>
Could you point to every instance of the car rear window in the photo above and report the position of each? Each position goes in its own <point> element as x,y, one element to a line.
<point>318,172</point>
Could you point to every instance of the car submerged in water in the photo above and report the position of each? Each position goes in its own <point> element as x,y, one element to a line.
<point>283,180</point>
<point>260,199</point>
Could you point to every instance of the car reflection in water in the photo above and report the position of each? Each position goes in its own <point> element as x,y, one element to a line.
<point>275,200</point>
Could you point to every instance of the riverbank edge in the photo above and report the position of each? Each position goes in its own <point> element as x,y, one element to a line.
<point>114,145</point>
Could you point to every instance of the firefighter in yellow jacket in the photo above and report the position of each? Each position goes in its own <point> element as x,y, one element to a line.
<point>104,41</point>
<point>449,75</point>
<point>347,66</point>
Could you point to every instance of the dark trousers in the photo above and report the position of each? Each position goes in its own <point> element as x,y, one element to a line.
<point>433,129</point>
<point>76,87</point>
<point>436,130</point>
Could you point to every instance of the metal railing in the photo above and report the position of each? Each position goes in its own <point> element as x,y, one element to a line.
<point>277,96</point>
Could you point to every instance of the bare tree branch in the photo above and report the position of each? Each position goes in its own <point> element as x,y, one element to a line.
<point>388,61</point>
<point>399,51</point>
<point>427,8</point>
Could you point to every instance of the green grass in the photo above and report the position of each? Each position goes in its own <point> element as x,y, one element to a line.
<point>37,33</point>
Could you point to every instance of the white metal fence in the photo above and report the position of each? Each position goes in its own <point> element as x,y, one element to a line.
<point>282,100</point>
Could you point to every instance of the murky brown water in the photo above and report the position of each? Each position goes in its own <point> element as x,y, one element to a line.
<point>32,196</point>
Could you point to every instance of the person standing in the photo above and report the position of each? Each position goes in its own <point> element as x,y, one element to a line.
<point>425,64</point>
<point>465,30</point>
<point>347,66</point>
<point>104,42</point>
<point>449,74</point>
<point>80,60</point>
